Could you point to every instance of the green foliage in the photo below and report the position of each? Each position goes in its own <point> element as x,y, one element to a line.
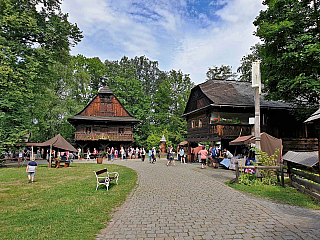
<point>224,72</point>
<point>246,63</point>
<point>31,41</point>
<point>290,50</point>
<point>268,175</point>
<point>156,98</point>
<point>60,204</point>
<point>41,83</point>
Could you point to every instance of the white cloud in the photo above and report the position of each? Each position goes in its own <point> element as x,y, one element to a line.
<point>225,43</point>
<point>178,35</point>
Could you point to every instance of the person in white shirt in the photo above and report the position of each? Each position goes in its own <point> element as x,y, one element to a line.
<point>227,153</point>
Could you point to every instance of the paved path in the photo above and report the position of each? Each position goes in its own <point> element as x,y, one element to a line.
<point>184,202</point>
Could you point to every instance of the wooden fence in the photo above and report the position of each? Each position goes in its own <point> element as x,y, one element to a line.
<point>279,168</point>
<point>5,161</point>
<point>304,179</point>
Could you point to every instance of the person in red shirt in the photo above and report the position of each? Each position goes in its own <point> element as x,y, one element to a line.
<point>95,153</point>
<point>203,153</point>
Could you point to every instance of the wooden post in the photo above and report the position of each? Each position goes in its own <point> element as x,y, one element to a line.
<point>50,156</point>
<point>257,118</point>
<point>282,175</point>
<point>237,172</point>
<point>289,172</point>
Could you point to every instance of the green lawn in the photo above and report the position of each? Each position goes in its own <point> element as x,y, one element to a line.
<point>286,195</point>
<point>61,204</point>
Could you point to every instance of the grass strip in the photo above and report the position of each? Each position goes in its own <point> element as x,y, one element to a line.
<point>61,204</point>
<point>287,195</point>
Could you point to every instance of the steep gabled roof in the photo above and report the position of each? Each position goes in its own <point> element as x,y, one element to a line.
<point>236,93</point>
<point>231,93</point>
<point>105,89</point>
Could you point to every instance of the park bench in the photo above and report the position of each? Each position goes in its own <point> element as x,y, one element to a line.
<point>106,178</point>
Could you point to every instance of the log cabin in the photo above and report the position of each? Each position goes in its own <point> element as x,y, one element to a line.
<point>219,111</point>
<point>103,123</point>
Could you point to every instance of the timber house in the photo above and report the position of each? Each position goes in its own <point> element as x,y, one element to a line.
<point>219,110</point>
<point>103,123</point>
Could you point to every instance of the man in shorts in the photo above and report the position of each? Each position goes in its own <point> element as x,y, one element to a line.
<point>32,168</point>
<point>214,155</point>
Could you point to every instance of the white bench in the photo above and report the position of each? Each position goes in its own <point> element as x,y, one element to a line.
<point>105,180</point>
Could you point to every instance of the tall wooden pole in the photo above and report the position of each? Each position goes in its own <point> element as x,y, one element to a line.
<point>257,118</point>
<point>256,84</point>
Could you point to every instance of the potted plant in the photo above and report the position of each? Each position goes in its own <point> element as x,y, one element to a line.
<point>81,155</point>
<point>104,154</point>
<point>99,159</point>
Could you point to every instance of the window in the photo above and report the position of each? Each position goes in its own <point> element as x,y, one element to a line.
<point>121,130</point>
<point>200,123</point>
<point>193,124</point>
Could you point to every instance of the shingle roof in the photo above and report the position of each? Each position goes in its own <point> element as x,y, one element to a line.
<point>105,89</point>
<point>314,116</point>
<point>236,93</point>
<point>303,158</point>
<point>105,119</point>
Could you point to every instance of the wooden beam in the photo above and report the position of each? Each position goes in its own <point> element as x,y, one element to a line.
<point>306,175</point>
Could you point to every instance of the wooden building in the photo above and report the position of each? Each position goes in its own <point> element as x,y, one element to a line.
<point>219,110</point>
<point>104,122</point>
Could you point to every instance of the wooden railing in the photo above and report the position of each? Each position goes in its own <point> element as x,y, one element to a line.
<point>305,179</point>
<point>229,130</point>
<point>98,136</point>
<point>277,168</point>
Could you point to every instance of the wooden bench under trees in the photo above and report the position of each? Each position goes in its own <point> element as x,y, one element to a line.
<point>104,177</point>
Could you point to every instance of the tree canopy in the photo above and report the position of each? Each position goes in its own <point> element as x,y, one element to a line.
<point>32,40</point>
<point>223,72</point>
<point>290,50</point>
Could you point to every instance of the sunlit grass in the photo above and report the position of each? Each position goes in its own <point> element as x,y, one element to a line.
<point>61,204</point>
<point>287,195</point>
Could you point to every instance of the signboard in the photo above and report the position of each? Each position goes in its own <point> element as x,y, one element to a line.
<point>256,76</point>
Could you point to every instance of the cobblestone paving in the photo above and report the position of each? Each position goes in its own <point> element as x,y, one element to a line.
<point>184,202</point>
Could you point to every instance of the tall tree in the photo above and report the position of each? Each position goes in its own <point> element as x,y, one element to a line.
<point>290,52</point>
<point>246,63</point>
<point>31,41</point>
<point>223,72</point>
<point>157,98</point>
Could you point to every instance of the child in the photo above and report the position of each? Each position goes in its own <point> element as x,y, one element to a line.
<point>32,168</point>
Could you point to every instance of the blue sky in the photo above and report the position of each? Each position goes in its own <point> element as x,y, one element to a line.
<point>190,35</point>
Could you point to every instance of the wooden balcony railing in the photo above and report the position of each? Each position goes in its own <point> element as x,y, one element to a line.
<point>229,129</point>
<point>98,136</point>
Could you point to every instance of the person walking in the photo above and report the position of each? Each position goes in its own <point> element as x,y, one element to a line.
<point>170,156</point>
<point>88,154</point>
<point>203,153</point>
<point>112,154</point>
<point>116,153</point>
<point>31,169</point>
<point>181,154</point>
<point>143,154</point>
<point>153,155</point>
<point>122,153</point>
<point>95,153</point>
<point>214,155</point>
<point>38,153</point>
<point>150,154</point>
